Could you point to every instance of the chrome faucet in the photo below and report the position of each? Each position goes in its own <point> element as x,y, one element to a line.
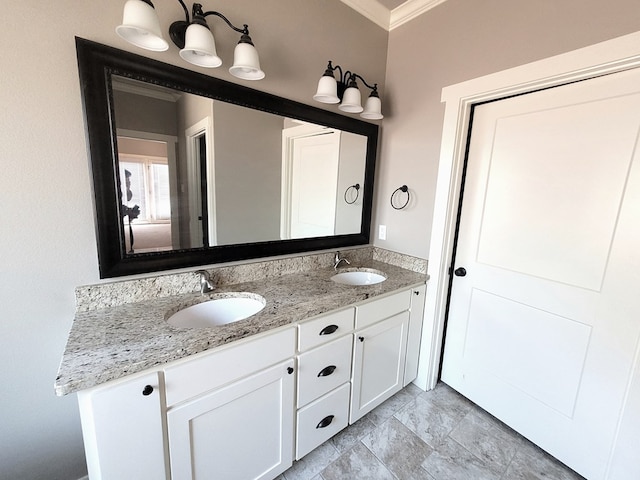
<point>338,260</point>
<point>206,284</point>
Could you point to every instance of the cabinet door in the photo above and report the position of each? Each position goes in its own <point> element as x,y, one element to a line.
<point>122,428</point>
<point>415,334</point>
<point>242,431</point>
<point>378,363</point>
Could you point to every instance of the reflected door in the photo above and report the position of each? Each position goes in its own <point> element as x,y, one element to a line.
<point>544,327</point>
<point>314,179</point>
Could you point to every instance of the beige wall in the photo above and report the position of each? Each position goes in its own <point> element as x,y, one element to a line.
<point>456,41</point>
<point>47,240</point>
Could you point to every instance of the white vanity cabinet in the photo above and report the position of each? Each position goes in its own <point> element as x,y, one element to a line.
<point>247,409</point>
<point>122,427</point>
<point>238,430</point>
<point>380,347</point>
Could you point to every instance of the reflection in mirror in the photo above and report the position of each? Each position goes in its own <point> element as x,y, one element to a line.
<point>192,170</point>
<point>197,172</point>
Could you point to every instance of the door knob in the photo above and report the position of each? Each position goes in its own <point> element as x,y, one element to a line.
<point>460,272</point>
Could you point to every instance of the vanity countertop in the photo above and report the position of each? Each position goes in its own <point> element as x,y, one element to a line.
<point>113,342</point>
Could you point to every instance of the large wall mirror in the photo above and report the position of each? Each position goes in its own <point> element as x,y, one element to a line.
<point>191,170</point>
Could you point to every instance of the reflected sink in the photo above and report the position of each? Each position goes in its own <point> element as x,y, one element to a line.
<point>359,276</point>
<point>223,308</point>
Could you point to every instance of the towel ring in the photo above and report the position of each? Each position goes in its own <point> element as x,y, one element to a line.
<point>355,187</point>
<point>403,189</point>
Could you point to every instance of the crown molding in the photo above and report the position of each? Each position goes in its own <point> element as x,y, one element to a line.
<point>381,16</point>
<point>372,9</point>
<point>410,10</point>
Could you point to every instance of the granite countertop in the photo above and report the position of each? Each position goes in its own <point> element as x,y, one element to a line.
<point>110,343</point>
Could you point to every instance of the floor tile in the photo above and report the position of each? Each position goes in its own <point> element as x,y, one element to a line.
<point>348,437</point>
<point>452,461</point>
<point>357,463</point>
<point>436,435</point>
<point>313,463</point>
<point>430,423</point>
<point>385,411</point>
<point>486,439</point>
<point>449,400</point>
<point>531,463</point>
<point>398,448</point>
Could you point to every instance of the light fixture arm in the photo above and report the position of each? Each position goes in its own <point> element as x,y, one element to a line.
<point>330,69</point>
<point>375,85</point>
<point>244,31</point>
<point>346,77</point>
<point>178,29</point>
<point>186,11</point>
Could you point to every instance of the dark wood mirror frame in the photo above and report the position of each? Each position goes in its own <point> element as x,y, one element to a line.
<point>96,64</point>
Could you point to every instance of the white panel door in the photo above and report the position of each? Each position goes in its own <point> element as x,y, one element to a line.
<point>313,185</point>
<point>544,328</point>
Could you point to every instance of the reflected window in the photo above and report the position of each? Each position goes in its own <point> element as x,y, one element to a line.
<point>149,186</point>
<point>146,198</point>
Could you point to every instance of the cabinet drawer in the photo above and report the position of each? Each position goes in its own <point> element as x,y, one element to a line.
<point>212,370</point>
<point>376,310</point>
<point>324,368</point>
<point>324,329</point>
<point>321,420</point>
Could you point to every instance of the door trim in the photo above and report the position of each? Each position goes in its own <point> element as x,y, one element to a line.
<point>611,56</point>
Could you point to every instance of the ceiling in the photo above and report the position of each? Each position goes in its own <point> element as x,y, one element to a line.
<point>390,14</point>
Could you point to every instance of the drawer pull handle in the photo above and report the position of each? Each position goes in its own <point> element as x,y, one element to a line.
<point>329,329</point>
<point>326,371</point>
<point>148,390</point>
<point>325,422</point>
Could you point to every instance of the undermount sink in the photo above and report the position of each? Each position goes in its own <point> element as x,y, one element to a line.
<point>223,308</point>
<point>359,276</point>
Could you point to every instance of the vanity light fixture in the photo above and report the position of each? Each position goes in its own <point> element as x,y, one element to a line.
<point>345,92</point>
<point>141,27</point>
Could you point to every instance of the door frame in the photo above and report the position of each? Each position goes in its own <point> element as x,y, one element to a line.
<point>622,53</point>
<point>191,134</point>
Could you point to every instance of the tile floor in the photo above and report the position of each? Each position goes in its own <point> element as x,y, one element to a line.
<point>435,435</point>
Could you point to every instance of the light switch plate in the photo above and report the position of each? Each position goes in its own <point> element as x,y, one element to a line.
<point>382,232</point>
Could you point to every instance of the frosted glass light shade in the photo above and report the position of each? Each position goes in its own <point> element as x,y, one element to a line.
<point>351,101</point>
<point>372,108</point>
<point>327,90</point>
<point>200,47</point>
<point>246,64</point>
<point>141,27</point>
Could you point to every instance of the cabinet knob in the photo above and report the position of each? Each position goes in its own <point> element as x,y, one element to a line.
<point>361,339</point>
<point>328,330</point>
<point>325,422</point>
<point>326,371</point>
<point>148,390</point>
<point>416,292</point>
<point>289,370</point>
